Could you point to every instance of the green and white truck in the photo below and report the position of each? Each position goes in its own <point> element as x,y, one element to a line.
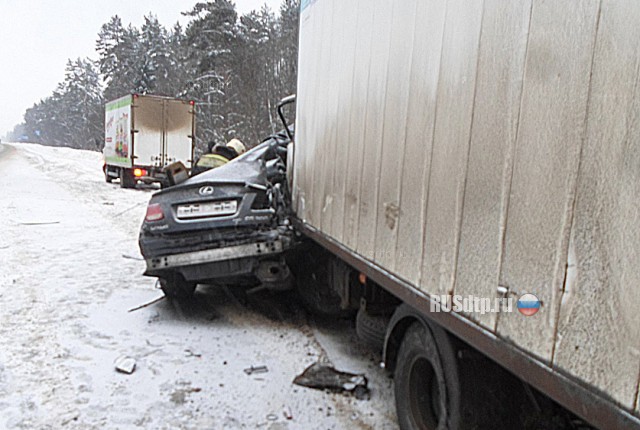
<point>143,134</point>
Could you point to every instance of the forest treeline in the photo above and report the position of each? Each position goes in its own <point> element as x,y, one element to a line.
<point>235,67</point>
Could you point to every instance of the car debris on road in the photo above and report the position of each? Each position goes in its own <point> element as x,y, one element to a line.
<point>125,364</point>
<point>257,369</point>
<point>324,377</point>
<point>144,305</point>
<point>286,411</point>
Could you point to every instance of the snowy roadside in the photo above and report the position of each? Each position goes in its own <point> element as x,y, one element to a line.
<point>65,288</point>
<point>4,150</point>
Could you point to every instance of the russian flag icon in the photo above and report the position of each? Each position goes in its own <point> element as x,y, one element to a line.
<point>528,304</point>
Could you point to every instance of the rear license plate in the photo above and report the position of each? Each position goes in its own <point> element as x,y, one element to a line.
<point>201,210</point>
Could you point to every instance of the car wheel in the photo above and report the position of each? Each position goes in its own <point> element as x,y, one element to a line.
<point>175,286</point>
<point>427,391</point>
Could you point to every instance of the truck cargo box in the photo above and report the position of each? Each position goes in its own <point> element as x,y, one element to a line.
<point>144,134</point>
<point>486,148</point>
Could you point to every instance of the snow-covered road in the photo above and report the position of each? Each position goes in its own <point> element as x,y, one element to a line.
<point>67,280</point>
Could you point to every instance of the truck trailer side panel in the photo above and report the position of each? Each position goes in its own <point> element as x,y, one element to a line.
<point>374,128</point>
<point>456,89</point>
<point>315,184</point>
<point>421,113</point>
<point>327,163</point>
<point>308,70</point>
<point>550,133</point>
<point>599,327</point>
<point>516,131</point>
<point>397,106</point>
<point>117,132</point>
<point>503,46</point>
<point>353,144</point>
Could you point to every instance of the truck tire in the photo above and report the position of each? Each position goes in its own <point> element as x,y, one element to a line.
<point>127,180</point>
<point>316,293</point>
<point>107,177</point>
<point>427,390</point>
<point>174,286</point>
<point>371,329</point>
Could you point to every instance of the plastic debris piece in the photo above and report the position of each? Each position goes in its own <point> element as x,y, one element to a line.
<point>286,411</point>
<point>125,364</point>
<point>257,369</point>
<point>144,305</point>
<point>189,353</point>
<point>324,377</point>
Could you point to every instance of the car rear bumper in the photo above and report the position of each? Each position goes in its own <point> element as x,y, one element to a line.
<point>174,261</point>
<point>237,262</point>
<point>155,245</point>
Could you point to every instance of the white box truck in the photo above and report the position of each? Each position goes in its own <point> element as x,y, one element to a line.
<point>478,149</point>
<point>145,133</point>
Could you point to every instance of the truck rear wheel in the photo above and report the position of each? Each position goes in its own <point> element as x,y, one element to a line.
<point>174,286</point>
<point>127,180</point>
<point>107,177</point>
<point>427,390</point>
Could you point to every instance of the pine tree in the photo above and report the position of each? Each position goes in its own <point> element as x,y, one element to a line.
<point>111,35</point>
<point>81,99</point>
<point>236,68</point>
<point>179,70</point>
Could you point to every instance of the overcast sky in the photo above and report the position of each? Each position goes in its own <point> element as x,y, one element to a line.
<point>37,37</point>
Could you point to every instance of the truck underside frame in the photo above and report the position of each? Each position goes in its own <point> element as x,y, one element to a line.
<point>586,402</point>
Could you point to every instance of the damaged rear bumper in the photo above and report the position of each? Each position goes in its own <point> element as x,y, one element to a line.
<point>240,263</point>
<point>213,255</point>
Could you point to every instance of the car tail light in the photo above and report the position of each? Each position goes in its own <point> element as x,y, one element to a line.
<point>139,172</point>
<point>154,212</point>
